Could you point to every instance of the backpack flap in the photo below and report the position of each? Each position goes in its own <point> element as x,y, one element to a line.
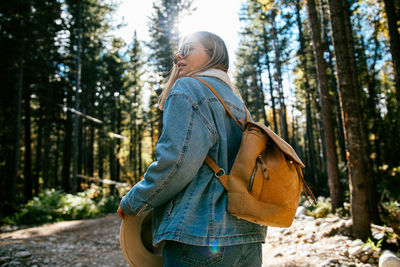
<point>282,144</point>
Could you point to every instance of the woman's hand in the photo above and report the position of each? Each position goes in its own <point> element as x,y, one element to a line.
<point>121,213</point>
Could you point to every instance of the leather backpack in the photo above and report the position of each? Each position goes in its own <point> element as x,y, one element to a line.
<point>266,180</point>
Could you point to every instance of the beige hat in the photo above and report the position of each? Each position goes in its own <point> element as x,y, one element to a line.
<point>136,242</point>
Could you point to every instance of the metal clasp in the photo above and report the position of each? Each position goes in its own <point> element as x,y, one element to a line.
<point>219,173</point>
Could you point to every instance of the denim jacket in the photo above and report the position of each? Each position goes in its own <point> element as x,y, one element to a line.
<point>189,203</point>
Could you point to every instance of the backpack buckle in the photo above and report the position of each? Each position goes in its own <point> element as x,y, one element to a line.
<point>219,173</point>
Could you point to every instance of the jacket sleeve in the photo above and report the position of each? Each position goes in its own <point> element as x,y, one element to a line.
<point>183,145</point>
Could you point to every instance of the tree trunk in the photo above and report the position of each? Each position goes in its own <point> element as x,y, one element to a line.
<point>67,150</point>
<point>278,78</point>
<point>81,152</point>
<point>100,154</point>
<point>91,153</point>
<point>140,164</point>
<point>46,136</point>
<point>335,188</point>
<point>28,148</point>
<point>119,131</point>
<point>74,180</point>
<point>271,90</point>
<point>310,140</point>
<point>394,38</point>
<point>369,172</point>
<point>38,163</point>
<point>372,119</point>
<point>348,98</point>
<point>12,181</point>
<point>259,72</point>
<point>57,151</point>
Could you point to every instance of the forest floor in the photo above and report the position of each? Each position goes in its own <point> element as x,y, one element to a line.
<point>95,242</point>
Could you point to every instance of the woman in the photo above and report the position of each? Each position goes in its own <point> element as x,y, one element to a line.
<point>188,201</point>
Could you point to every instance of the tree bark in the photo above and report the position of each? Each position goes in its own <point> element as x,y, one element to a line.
<point>271,90</point>
<point>369,172</point>
<point>91,153</point>
<point>348,98</point>
<point>394,38</point>
<point>46,135</point>
<point>78,64</point>
<point>310,140</point>
<point>28,148</point>
<point>57,159</point>
<point>259,72</point>
<point>278,78</point>
<point>67,150</point>
<point>38,163</point>
<point>12,181</point>
<point>335,188</point>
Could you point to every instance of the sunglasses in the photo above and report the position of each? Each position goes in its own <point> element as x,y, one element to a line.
<point>185,51</point>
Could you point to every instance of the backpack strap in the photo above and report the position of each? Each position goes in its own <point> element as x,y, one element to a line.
<point>219,172</point>
<point>224,105</point>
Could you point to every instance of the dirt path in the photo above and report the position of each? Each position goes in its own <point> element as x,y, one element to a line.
<point>95,242</point>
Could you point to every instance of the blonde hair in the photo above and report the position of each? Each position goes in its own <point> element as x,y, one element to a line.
<point>219,59</point>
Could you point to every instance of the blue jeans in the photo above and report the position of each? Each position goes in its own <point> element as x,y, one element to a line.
<point>178,254</point>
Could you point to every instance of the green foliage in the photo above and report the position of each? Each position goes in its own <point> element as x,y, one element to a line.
<point>55,205</point>
<point>40,209</point>
<point>322,209</point>
<point>375,246</point>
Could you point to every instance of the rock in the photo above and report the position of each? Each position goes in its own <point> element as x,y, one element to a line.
<point>14,264</point>
<point>332,220</point>
<point>357,243</point>
<point>301,211</point>
<point>8,228</point>
<point>308,218</point>
<point>4,259</point>
<point>348,223</point>
<point>355,251</point>
<point>22,254</point>
<point>364,258</point>
<point>318,222</point>
<point>378,235</point>
<point>368,250</point>
<point>291,251</point>
<point>372,261</point>
<point>389,259</point>
<point>278,255</point>
<point>330,262</point>
<point>325,225</point>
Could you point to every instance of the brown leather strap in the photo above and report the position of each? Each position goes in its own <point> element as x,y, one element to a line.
<point>222,102</point>
<point>306,189</point>
<point>218,172</point>
<point>247,112</point>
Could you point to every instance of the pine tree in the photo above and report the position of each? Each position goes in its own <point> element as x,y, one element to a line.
<point>332,162</point>
<point>352,117</point>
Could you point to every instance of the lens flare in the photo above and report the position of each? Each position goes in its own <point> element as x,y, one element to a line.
<point>214,247</point>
